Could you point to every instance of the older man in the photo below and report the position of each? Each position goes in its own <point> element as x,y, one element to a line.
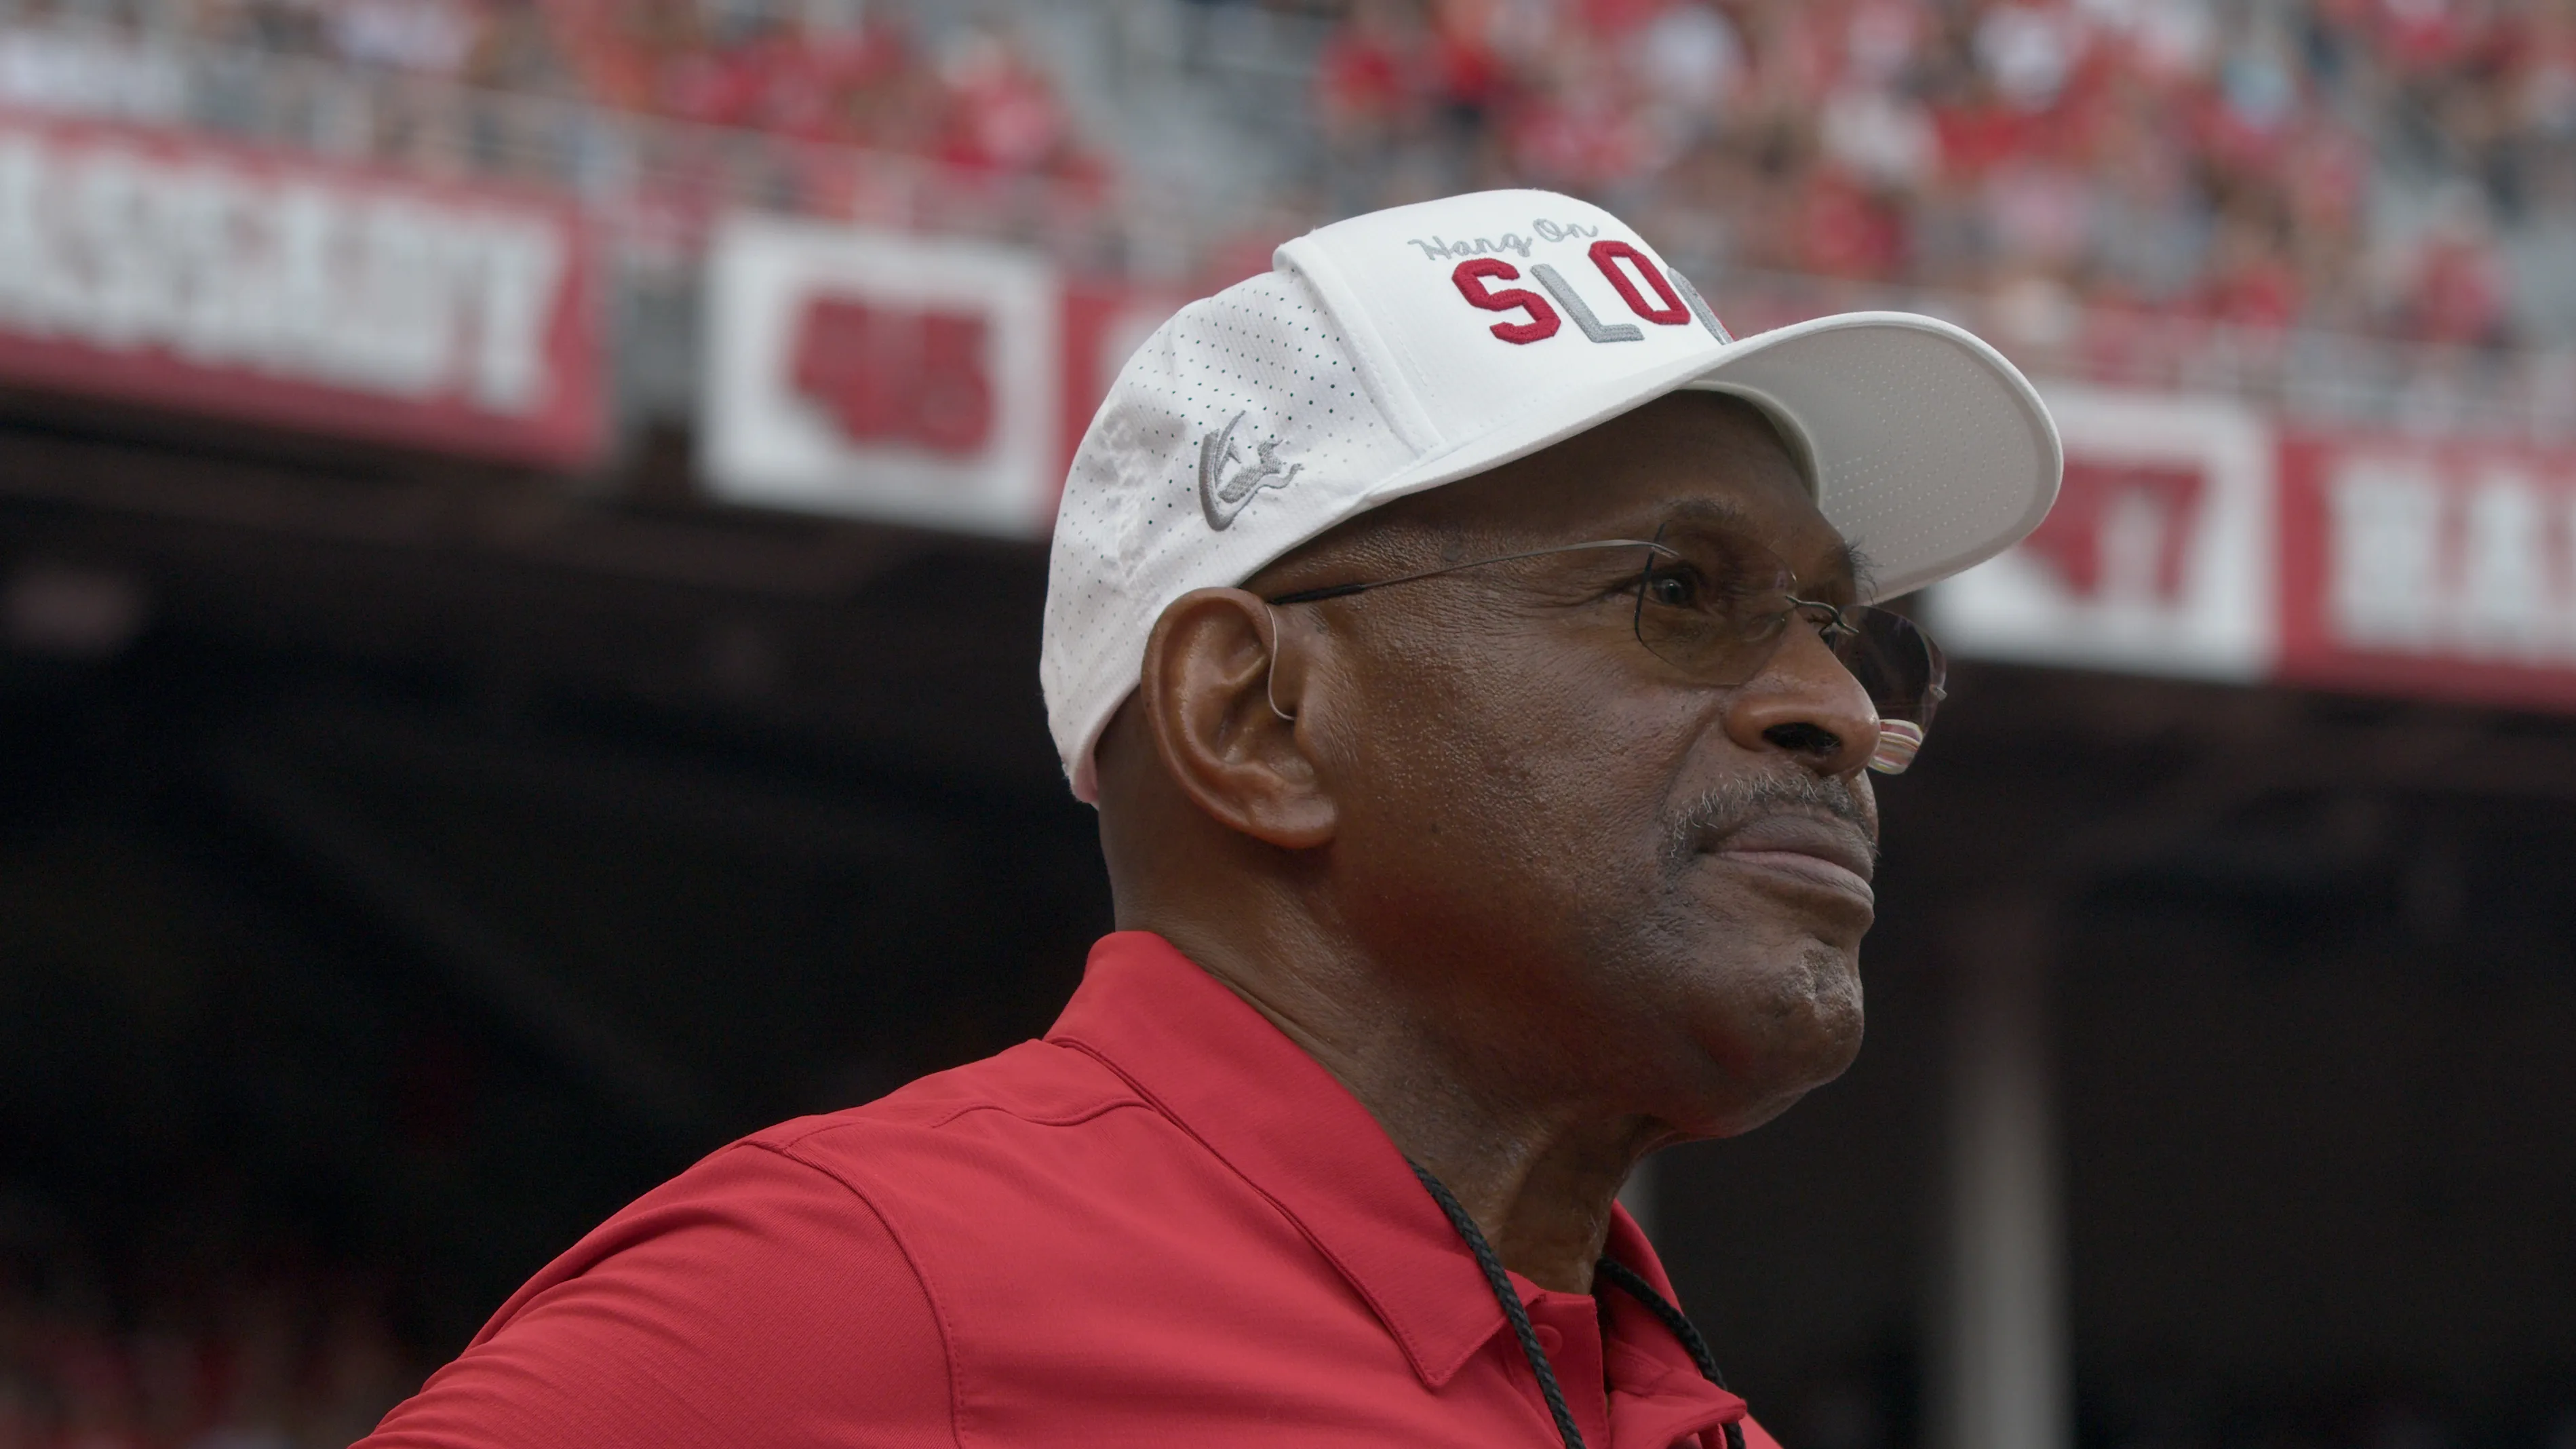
<point>1468,646</point>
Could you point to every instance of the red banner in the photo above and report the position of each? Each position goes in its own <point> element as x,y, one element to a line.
<point>2439,569</point>
<point>2199,538</point>
<point>166,269</point>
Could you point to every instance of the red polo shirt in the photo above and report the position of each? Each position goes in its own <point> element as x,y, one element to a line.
<point>1163,1224</point>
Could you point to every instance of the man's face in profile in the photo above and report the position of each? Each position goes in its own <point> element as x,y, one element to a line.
<point>1595,862</point>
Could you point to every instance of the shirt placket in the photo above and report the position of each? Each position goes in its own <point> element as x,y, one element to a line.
<point>1569,1331</point>
<point>1658,1400</point>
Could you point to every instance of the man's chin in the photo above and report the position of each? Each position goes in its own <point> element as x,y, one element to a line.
<point>1769,1053</point>
<point>1782,1083</point>
<point>1831,1011</point>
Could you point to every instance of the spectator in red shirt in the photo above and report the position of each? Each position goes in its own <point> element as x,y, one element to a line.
<point>2250,283</point>
<point>1361,82</point>
<point>1847,231</point>
<point>2456,288</point>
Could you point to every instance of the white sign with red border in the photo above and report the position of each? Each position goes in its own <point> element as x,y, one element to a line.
<point>168,269</point>
<point>2159,557</point>
<point>882,375</point>
<point>2440,568</point>
<point>2202,539</point>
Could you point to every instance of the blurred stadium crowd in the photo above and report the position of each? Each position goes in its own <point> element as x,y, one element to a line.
<point>2355,166</point>
<point>834,72</point>
<point>2233,162</point>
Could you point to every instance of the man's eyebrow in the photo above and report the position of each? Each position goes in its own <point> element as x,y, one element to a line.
<point>1861,571</point>
<point>1852,564</point>
<point>1700,509</point>
<point>1844,563</point>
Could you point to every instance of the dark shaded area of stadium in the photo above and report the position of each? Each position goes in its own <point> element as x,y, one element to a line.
<point>402,865</point>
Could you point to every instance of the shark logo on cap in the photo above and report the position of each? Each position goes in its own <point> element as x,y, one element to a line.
<point>1223,496</point>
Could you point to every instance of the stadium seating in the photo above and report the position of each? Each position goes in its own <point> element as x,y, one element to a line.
<point>2385,167</point>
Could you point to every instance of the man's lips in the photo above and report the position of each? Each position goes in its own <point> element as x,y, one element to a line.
<point>1824,851</point>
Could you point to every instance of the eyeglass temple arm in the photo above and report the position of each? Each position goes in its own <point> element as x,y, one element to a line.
<point>1341,591</point>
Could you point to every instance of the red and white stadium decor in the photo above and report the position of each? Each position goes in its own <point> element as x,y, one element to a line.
<point>883,375</point>
<point>2415,568</point>
<point>175,271</point>
<point>2157,558</point>
<point>2201,539</point>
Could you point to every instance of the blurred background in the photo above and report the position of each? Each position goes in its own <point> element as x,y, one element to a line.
<point>521,538</point>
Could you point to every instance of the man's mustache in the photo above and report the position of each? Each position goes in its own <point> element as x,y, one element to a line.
<point>1728,808</point>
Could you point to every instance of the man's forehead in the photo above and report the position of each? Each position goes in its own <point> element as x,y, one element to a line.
<point>1792,528</point>
<point>1691,461</point>
<point>1704,460</point>
<point>1683,444</point>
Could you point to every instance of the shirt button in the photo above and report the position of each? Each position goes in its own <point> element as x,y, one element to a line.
<point>1549,1340</point>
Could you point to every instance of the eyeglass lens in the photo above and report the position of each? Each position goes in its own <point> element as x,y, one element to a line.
<point>1717,608</point>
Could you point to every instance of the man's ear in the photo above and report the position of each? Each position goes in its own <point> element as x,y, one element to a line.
<point>1214,692</point>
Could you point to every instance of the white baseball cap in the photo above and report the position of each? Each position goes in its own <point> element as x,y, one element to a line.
<point>1417,346</point>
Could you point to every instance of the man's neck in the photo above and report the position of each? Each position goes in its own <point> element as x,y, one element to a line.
<point>1537,1170</point>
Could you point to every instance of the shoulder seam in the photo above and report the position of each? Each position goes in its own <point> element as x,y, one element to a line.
<point>1069,1119</point>
<point>911,1260</point>
<point>1073,1117</point>
<point>1126,1096</point>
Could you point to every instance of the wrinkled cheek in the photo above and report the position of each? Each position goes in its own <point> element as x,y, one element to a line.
<point>1523,789</point>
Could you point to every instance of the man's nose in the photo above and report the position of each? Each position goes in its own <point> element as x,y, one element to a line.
<point>1806,704</point>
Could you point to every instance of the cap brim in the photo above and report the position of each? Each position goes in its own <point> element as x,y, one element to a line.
<point>1928,450</point>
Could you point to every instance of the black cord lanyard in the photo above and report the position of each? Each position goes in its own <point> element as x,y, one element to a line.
<point>1620,1276</point>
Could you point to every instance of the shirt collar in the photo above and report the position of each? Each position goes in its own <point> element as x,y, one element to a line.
<point>1232,1079</point>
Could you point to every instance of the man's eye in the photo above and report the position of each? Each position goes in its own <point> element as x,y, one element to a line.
<point>1672,590</point>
